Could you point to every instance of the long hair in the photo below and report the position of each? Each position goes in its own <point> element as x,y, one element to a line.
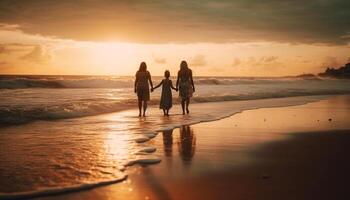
<point>143,67</point>
<point>183,65</point>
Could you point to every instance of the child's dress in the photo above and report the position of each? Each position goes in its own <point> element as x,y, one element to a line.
<point>166,100</point>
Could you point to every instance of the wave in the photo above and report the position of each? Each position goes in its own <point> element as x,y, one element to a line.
<point>23,83</point>
<point>21,115</point>
<point>249,81</point>
<point>28,83</point>
<point>58,190</point>
<point>15,115</point>
<point>125,82</point>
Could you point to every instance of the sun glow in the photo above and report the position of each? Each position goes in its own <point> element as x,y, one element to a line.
<point>110,57</point>
<point>47,55</point>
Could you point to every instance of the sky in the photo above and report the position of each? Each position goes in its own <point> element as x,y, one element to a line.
<point>216,38</point>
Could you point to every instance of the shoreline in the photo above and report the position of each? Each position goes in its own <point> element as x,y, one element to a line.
<point>131,108</point>
<point>167,190</point>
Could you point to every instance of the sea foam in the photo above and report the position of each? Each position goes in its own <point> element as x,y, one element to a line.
<point>59,190</point>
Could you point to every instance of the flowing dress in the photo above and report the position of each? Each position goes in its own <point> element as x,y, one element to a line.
<point>142,87</point>
<point>185,85</point>
<point>166,100</point>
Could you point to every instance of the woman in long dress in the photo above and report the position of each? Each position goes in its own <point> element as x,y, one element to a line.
<point>142,81</point>
<point>185,85</point>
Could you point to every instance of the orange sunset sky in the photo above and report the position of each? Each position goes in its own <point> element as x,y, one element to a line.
<point>217,38</point>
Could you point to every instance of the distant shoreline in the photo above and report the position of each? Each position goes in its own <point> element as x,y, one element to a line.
<point>38,76</point>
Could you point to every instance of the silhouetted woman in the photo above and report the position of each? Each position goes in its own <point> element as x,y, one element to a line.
<point>185,85</point>
<point>187,143</point>
<point>168,142</point>
<point>143,77</point>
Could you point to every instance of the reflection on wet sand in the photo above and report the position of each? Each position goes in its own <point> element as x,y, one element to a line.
<point>186,143</point>
<point>168,142</point>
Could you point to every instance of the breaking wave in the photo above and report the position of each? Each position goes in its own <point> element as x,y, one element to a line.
<point>19,82</point>
<point>59,190</point>
<point>20,115</point>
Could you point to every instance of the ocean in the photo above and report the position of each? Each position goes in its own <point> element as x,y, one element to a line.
<point>66,133</point>
<point>28,98</point>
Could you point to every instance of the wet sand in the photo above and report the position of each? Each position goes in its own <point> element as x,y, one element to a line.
<point>308,166</point>
<point>297,152</point>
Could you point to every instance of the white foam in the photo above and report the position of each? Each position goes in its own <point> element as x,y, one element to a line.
<point>148,149</point>
<point>150,135</point>
<point>142,139</point>
<point>59,190</point>
<point>122,168</point>
<point>143,159</point>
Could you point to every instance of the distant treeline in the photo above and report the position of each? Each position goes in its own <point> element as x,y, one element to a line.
<point>341,72</point>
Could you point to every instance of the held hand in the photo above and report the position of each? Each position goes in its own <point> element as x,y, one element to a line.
<point>177,89</point>
<point>194,89</point>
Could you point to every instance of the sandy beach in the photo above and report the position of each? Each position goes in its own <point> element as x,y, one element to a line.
<point>295,152</point>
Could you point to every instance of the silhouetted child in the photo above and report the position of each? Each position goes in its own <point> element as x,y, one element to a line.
<point>166,100</point>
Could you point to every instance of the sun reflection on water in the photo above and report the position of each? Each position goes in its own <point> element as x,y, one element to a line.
<point>118,145</point>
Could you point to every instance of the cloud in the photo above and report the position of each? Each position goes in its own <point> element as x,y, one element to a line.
<point>216,70</point>
<point>39,55</point>
<point>5,65</point>
<point>258,63</point>
<point>3,50</point>
<point>9,27</point>
<point>263,61</point>
<point>268,65</point>
<point>198,60</point>
<point>292,21</point>
<point>330,61</point>
<point>236,62</point>
<point>269,59</point>
<point>160,60</point>
<point>10,48</point>
<point>10,54</point>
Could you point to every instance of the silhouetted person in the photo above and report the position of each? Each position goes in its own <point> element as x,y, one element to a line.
<point>166,100</point>
<point>143,77</point>
<point>187,143</point>
<point>185,85</point>
<point>168,142</point>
